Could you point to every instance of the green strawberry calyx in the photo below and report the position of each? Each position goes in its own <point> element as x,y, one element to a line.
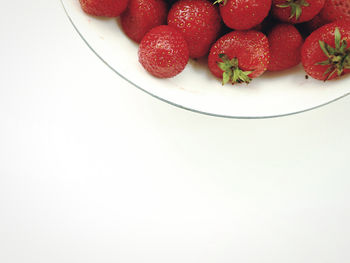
<point>296,7</point>
<point>223,2</point>
<point>338,58</point>
<point>232,73</point>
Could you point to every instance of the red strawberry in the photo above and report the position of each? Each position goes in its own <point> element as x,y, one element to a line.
<point>336,10</point>
<point>243,14</point>
<point>239,56</point>
<point>296,11</point>
<point>326,53</point>
<point>107,8</point>
<point>200,23</point>
<point>141,16</point>
<point>163,52</point>
<point>285,47</point>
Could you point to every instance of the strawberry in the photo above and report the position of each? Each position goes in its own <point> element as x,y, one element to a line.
<point>336,10</point>
<point>326,52</point>
<point>163,52</point>
<point>239,56</point>
<point>296,11</point>
<point>285,47</point>
<point>243,14</point>
<point>107,8</point>
<point>141,16</point>
<point>200,23</point>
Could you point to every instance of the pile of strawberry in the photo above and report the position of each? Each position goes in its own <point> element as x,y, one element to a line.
<point>242,38</point>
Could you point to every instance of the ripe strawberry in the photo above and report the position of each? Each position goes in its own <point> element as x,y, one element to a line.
<point>107,8</point>
<point>141,16</point>
<point>239,56</point>
<point>326,53</point>
<point>296,11</point>
<point>336,10</point>
<point>200,23</point>
<point>285,47</point>
<point>163,52</point>
<point>243,14</point>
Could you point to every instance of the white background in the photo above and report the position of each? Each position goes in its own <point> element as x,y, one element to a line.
<point>94,170</point>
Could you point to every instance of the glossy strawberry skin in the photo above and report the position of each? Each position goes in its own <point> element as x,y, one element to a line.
<point>163,52</point>
<point>285,47</point>
<point>334,10</point>
<point>312,53</point>
<point>200,23</point>
<point>141,16</point>
<point>307,13</point>
<point>251,48</point>
<point>105,8</point>
<point>244,14</point>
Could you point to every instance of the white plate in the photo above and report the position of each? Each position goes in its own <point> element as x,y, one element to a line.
<point>272,95</point>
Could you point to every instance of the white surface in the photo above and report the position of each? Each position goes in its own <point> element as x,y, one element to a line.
<point>273,94</point>
<point>93,170</point>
